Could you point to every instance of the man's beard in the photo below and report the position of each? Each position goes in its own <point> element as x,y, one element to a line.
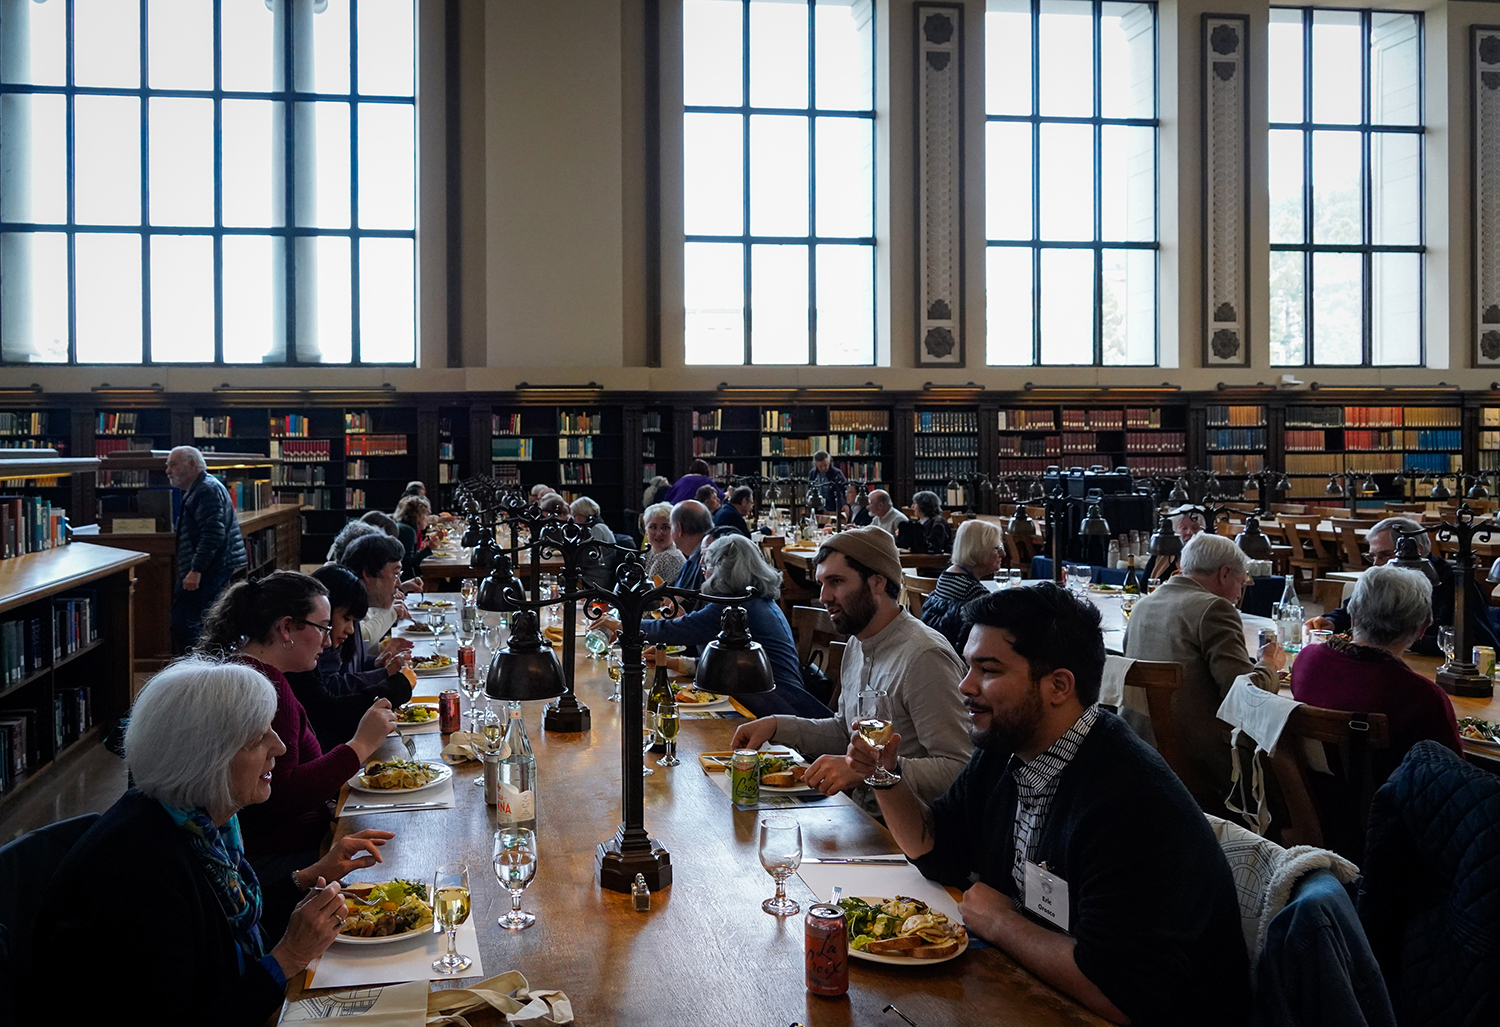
<point>1012,728</point>
<point>856,614</point>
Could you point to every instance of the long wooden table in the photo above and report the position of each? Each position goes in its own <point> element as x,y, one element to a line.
<point>705,953</point>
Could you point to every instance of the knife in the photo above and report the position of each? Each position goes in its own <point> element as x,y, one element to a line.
<point>887,860</point>
<point>399,806</point>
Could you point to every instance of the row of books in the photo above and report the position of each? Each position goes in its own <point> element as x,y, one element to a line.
<point>1155,442</point>
<point>577,448</point>
<point>354,469</point>
<point>1079,442</point>
<point>446,450</point>
<point>511,449</point>
<point>1034,466</point>
<point>1238,438</point>
<point>354,499</point>
<point>582,423</point>
<point>1157,464</point>
<point>776,420</point>
<point>308,451</point>
<point>75,624</point>
<point>29,524</point>
<point>651,421</point>
<point>61,445</point>
<point>125,422</point>
<point>945,420</point>
<point>1097,419</point>
<point>309,474</point>
<point>1447,463</point>
<point>1363,439</point>
<point>505,424</point>
<point>941,446</point>
<point>23,648</point>
<point>778,445</point>
<point>945,468</point>
<point>1013,445</point>
<point>250,495</point>
<point>859,420</point>
<point>123,479</point>
<point>357,422</point>
<point>708,420</point>
<point>854,445</point>
<point>1337,463</point>
<point>290,426</point>
<point>21,731</point>
<point>375,445</point>
<point>1237,463</point>
<point>576,473</point>
<point>705,447</point>
<point>103,447</point>
<point>212,427</point>
<point>1432,417</point>
<point>25,422</point>
<point>316,499</point>
<point>448,474</point>
<point>1235,416</point>
<point>1027,420</point>
<point>1489,417</point>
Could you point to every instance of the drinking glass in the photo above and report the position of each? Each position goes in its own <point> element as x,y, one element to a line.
<point>781,855</point>
<point>515,866</point>
<point>597,643</point>
<point>1085,576</point>
<point>1445,643</point>
<point>474,692</point>
<point>1152,585</point>
<point>874,725</point>
<point>1013,577</point>
<point>450,907</point>
<point>469,589</point>
<point>1070,577</point>
<point>666,726</point>
<point>648,731</point>
<point>615,664</point>
<point>440,623</point>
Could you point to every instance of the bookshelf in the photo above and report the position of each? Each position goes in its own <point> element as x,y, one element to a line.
<point>578,450</point>
<point>945,443</point>
<point>657,456</point>
<point>1236,438</point>
<point>117,431</point>
<point>453,458</point>
<point>310,445</point>
<point>1380,440</point>
<point>380,457</point>
<point>1489,439</point>
<point>1147,439</point>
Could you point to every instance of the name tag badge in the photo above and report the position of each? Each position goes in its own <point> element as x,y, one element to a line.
<point>1047,895</point>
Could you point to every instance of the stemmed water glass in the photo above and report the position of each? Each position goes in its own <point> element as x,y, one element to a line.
<point>666,726</point>
<point>597,643</point>
<point>1445,643</point>
<point>615,664</point>
<point>1084,574</point>
<point>450,907</point>
<point>781,855</point>
<point>648,731</point>
<point>515,866</point>
<point>875,726</point>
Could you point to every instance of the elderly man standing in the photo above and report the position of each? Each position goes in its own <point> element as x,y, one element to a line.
<point>1193,620</point>
<point>884,513</point>
<point>828,481</point>
<point>210,548</point>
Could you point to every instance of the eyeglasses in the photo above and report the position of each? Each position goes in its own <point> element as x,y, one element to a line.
<point>327,629</point>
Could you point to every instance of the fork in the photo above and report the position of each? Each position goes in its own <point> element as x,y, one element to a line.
<point>411,746</point>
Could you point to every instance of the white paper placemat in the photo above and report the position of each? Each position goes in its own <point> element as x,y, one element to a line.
<point>442,794</point>
<point>882,881</point>
<point>354,966</point>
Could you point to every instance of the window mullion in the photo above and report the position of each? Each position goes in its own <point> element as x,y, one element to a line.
<point>1098,144</point>
<point>812,185</point>
<point>143,34</point>
<point>354,113</point>
<point>218,102</point>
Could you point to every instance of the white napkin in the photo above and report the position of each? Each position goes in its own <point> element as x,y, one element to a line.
<point>1112,688</point>
<point>353,966</point>
<point>883,881</point>
<point>400,1005</point>
<point>1260,714</point>
<point>441,794</point>
<point>1131,701</point>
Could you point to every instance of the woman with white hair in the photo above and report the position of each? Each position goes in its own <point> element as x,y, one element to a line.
<point>733,565</point>
<point>663,560</point>
<point>1389,610</point>
<point>976,557</point>
<point>200,747</point>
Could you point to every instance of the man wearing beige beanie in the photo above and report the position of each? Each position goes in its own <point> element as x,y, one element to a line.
<point>859,572</point>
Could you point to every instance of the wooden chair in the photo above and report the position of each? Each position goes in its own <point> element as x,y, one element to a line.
<point>1160,681</point>
<point>834,668</point>
<point>1406,508</point>
<point>795,589</point>
<point>1309,551</point>
<point>1346,533</point>
<point>813,630</point>
<point>1328,594</point>
<point>1327,810</point>
<point>1287,508</point>
<point>916,590</point>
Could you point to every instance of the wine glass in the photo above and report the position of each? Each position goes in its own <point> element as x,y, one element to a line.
<point>615,664</point>
<point>666,726</point>
<point>1070,576</point>
<point>874,725</point>
<point>1445,643</point>
<point>781,855</point>
<point>1085,575</point>
<point>450,907</point>
<point>488,732</point>
<point>515,866</point>
<point>597,643</point>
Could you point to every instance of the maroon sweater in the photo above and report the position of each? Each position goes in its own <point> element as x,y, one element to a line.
<point>1363,679</point>
<point>303,782</point>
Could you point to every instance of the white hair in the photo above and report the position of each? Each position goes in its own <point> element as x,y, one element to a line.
<point>1192,515</point>
<point>1208,553</point>
<point>975,542</point>
<point>1390,604</point>
<point>193,455</point>
<point>188,723</point>
<point>1402,525</point>
<point>584,509</point>
<point>735,565</point>
<point>655,510</point>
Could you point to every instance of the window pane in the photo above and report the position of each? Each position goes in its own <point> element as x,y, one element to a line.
<point>180,44</point>
<point>713,292</point>
<point>1288,309</point>
<point>1395,67</point>
<point>34,297</point>
<point>845,170</point>
<point>254,299</point>
<point>1396,298</point>
<point>1008,305</point>
<point>1337,67</point>
<point>182,162</point>
<point>106,43</point>
<point>1284,54</point>
<point>321,43</point>
<point>1066,48</point>
<point>324,332</point>
<point>846,305</point>
<point>1007,180</point>
<point>1128,178</point>
<point>1395,189</point>
<point>322,187</point>
<point>1338,302</point>
<point>250,48</point>
<point>107,160</point>
<point>42,60</point>
<point>713,185</point>
<point>1285,164</point>
<point>108,282</point>
<point>1067,184</point>
<point>387,48</point>
<point>1127,48</point>
<point>1336,188</point>
<point>387,165</point>
<point>843,53</point>
<point>778,175</point>
<point>712,52</point>
<point>253,166</point>
<point>1007,57</point>
<point>182,298</point>
<point>35,188</point>
<point>778,54</point>
<point>1067,306</point>
<point>387,301</point>
<point>1129,321</point>
<point>778,305</point>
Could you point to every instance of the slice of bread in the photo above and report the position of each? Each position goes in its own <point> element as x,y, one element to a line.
<point>937,951</point>
<point>895,946</point>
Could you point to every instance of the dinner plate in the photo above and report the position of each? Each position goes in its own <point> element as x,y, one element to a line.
<point>428,672</point>
<point>410,726</point>
<point>718,705</point>
<point>875,957</point>
<point>444,773</point>
<point>1487,746</point>
<point>421,932</point>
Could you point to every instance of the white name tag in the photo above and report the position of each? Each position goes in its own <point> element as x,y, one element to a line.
<point>1047,895</point>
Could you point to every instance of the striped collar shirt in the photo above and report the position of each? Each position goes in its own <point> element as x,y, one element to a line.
<point>1036,784</point>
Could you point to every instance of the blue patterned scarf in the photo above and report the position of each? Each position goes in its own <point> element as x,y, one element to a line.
<point>221,854</point>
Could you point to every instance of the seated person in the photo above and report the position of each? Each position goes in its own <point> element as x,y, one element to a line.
<point>1090,863</point>
<point>928,531</point>
<point>687,486</point>
<point>883,512</point>
<point>1187,522</point>
<point>376,561</point>
<point>733,513</point>
<point>1389,609</point>
<point>412,516</point>
<point>976,558</point>
<point>857,507</point>
<point>200,747</point>
<point>691,523</point>
<point>663,560</point>
<point>709,495</point>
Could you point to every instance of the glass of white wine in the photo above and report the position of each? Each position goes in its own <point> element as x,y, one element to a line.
<point>615,664</point>
<point>1445,643</point>
<point>515,866</point>
<point>666,726</point>
<point>450,907</point>
<point>875,727</point>
<point>781,855</point>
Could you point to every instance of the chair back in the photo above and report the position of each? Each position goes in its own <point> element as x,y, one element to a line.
<point>1346,532</point>
<point>1328,808</point>
<point>1405,508</point>
<point>1287,508</point>
<point>1160,681</point>
<point>812,629</point>
<point>1328,594</point>
<point>26,866</point>
<point>915,590</point>
<point>834,670</point>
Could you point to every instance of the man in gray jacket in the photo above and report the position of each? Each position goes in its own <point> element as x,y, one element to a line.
<point>210,547</point>
<point>860,574</point>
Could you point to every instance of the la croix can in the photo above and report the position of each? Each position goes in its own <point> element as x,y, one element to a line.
<point>466,667</point>
<point>1484,660</point>
<point>450,717</point>
<point>744,781</point>
<point>827,938</point>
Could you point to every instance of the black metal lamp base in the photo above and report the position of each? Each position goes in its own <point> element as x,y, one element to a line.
<point>617,866</point>
<point>567,714</point>
<point>1464,679</point>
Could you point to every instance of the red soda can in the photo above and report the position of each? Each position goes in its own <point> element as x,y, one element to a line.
<point>827,951</point>
<point>466,662</point>
<point>449,715</point>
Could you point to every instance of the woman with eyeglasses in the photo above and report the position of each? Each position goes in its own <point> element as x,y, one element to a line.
<point>279,625</point>
<point>977,555</point>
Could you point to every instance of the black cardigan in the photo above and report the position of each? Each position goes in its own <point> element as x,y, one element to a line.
<point>165,948</point>
<point>1151,901</point>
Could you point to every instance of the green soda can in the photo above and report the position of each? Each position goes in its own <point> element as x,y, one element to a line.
<point>744,782</point>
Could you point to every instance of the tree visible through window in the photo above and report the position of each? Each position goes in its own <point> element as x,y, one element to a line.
<point>170,193</point>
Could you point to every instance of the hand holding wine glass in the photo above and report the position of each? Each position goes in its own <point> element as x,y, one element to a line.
<point>515,859</point>
<point>781,855</point>
<point>450,907</point>
<point>875,726</point>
